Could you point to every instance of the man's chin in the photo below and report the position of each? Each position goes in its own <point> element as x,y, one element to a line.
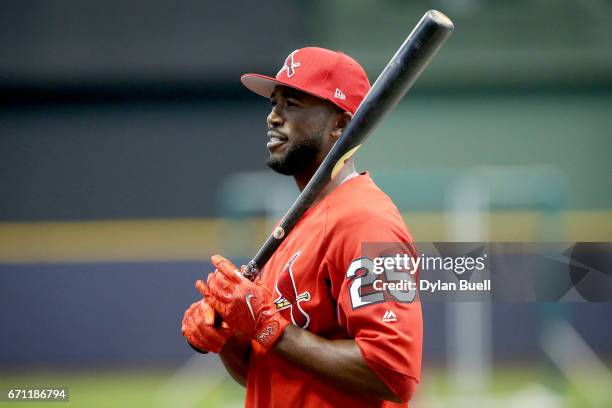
<point>280,167</point>
<point>294,160</point>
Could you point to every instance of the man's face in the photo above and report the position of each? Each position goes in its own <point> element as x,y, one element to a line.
<point>299,127</point>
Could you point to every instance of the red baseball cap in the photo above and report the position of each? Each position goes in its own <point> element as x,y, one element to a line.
<point>330,75</point>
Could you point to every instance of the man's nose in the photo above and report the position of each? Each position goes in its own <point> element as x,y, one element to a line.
<point>274,119</point>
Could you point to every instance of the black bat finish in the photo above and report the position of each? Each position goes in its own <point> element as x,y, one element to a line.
<point>398,76</point>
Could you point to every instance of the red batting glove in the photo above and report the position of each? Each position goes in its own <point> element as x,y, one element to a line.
<point>247,307</point>
<point>199,331</point>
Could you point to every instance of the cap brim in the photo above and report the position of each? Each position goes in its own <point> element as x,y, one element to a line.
<point>261,84</point>
<point>264,85</point>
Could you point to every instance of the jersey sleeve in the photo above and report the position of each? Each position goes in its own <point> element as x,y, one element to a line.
<point>387,325</point>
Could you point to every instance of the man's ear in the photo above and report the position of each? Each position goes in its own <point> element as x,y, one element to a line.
<point>342,121</point>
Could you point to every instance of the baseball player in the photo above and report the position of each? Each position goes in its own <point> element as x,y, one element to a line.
<point>313,331</point>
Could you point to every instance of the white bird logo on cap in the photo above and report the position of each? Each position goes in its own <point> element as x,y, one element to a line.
<point>289,66</point>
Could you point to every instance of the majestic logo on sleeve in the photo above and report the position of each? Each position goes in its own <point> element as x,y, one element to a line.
<point>289,66</point>
<point>289,297</point>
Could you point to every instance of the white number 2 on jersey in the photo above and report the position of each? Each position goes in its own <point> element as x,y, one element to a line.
<point>358,296</point>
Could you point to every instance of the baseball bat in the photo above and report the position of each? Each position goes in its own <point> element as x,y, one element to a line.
<point>392,84</point>
<point>389,88</point>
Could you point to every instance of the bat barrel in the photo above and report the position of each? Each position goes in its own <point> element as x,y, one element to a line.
<point>398,76</point>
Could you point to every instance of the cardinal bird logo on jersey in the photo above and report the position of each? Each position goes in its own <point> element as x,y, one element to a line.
<point>289,297</point>
<point>289,66</point>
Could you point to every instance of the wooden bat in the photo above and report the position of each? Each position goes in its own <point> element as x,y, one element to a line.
<point>392,84</point>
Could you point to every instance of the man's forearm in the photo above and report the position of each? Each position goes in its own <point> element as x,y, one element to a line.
<point>235,356</point>
<point>339,361</point>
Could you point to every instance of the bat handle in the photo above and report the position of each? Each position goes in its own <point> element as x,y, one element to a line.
<point>251,271</point>
<point>216,325</point>
<point>218,321</point>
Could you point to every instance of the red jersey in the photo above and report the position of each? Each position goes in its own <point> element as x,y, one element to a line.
<point>317,279</point>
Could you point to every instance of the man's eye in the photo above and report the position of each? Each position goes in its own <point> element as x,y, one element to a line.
<point>291,103</point>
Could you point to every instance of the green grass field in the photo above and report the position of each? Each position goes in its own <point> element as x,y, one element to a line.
<point>516,386</point>
<point>134,389</point>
